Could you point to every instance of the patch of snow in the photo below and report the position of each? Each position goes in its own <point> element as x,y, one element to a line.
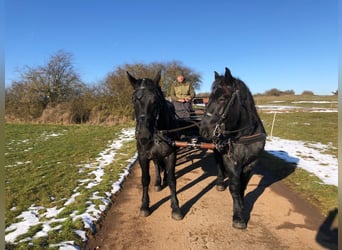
<point>284,108</point>
<point>316,102</point>
<point>53,134</point>
<point>71,199</point>
<point>28,219</point>
<point>308,156</point>
<point>53,212</point>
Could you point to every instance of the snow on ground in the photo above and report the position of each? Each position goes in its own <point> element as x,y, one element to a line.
<point>34,215</point>
<point>317,102</point>
<point>287,108</point>
<point>309,156</point>
<point>284,108</point>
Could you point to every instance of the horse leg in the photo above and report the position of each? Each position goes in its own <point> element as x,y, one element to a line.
<point>164,184</point>
<point>220,172</point>
<point>145,180</point>
<point>157,181</point>
<point>245,177</point>
<point>171,179</point>
<point>236,189</point>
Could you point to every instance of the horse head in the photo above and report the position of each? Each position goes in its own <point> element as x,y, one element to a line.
<point>222,112</point>
<point>146,101</point>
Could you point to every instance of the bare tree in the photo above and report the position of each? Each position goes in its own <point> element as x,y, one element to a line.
<point>22,101</point>
<point>58,79</point>
<point>55,82</point>
<point>38,87</point>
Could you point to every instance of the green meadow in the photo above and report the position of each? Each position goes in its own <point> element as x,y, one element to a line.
<point>311,127</point>
<point>43,167</point>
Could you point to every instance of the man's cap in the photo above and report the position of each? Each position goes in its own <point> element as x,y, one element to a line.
<point>179,73</point>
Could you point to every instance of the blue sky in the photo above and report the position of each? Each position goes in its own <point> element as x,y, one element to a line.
<point>284,44</point>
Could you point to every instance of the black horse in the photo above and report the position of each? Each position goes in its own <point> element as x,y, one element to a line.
<point>231,121</point>
<point>153,114</point>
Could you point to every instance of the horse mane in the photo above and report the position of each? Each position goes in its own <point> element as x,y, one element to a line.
<point>246,95</point>
<point>237,84</point>
<point>248,101</point>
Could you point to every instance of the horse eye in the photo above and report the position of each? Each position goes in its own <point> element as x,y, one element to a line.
<point>222,99</point>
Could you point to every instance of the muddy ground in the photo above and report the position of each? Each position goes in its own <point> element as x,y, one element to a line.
<point>278,219</point>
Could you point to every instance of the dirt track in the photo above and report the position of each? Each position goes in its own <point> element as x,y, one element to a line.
<point>278,219</point>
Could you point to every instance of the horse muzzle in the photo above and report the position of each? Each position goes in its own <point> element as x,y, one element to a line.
<point>205,133</point>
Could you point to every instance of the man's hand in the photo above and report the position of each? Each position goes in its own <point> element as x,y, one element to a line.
<point>186,99</point>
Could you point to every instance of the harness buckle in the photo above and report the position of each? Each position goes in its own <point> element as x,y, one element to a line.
<point>217,131</point>
<point>220,146</point>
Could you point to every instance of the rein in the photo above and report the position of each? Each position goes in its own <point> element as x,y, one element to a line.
<point>195,124</point>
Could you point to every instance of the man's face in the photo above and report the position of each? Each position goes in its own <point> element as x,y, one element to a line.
<point>180,78</point>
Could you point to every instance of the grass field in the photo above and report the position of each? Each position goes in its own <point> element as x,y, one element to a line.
<point>299,100</point>
<point>299,124</point>
<point>308,126</point>
<point>45,163</point>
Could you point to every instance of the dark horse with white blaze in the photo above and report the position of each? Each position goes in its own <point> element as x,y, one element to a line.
<point>231,122</point>
<point>153,113</point>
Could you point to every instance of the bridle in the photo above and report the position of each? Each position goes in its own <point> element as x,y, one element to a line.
<point>142,116</point>
<point>224,114</point>
<point>226,138</point>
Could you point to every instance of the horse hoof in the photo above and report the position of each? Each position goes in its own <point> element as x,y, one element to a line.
<point>220,187</point>
<point>157,188</point>
<point>177,215</point>
<point>145,212</point>
<point>239,225</point>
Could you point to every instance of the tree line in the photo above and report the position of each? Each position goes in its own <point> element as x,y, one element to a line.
<point>55,93</point>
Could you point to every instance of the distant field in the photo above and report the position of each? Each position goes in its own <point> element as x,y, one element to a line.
<point>306,118</point>
<point>330,101</point>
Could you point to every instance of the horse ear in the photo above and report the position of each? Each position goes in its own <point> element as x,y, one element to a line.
<point>228,76</point>
<point>216,75</point>
<point>157,78</point>
<point>132,80</point>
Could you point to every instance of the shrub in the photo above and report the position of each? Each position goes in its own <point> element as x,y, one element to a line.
<point>307,92</point>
